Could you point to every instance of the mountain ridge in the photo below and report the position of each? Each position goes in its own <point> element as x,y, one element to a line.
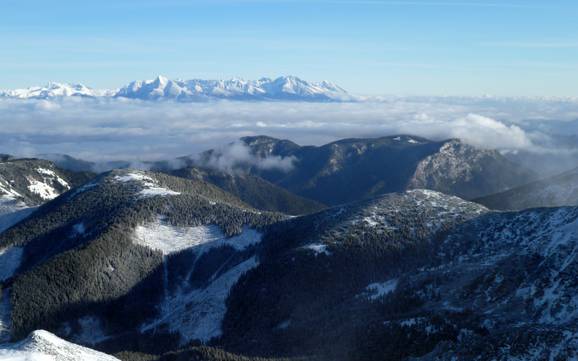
<point>283,88</point>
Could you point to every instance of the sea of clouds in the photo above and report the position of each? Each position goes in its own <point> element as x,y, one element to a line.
<point>121,129</point>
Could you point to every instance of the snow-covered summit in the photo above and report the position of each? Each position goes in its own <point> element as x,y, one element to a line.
<point>282,88</point>
<point>54,90</point>
<point>285,88</point>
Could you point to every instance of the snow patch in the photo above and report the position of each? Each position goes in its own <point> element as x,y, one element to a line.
<point>318,249</point>
<point>375,291</point>
<point>51,173</point>
<point>198,314</point>
<point>43,190</point>
<point>168,239</point>
<point>150,187</point>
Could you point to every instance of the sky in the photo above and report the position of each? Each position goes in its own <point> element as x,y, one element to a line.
<point>369,47</point>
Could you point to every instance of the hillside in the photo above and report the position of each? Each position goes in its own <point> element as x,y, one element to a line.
<point>147,266</point>
<point>556,191</point>
<point>28,183</point>
<point>253,190</point>
<point>355,169</point>
<point>79,264</point>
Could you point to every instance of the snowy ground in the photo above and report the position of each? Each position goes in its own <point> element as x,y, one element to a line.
<point>318,248</point>
<point>149,186</point>
<point>375,291</point>
<point>168,239</point>
<point>196,314</point>
<point>44,346</point>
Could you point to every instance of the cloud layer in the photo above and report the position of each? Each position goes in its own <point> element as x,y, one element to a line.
<point>230,156</point>
<point>115,129</point>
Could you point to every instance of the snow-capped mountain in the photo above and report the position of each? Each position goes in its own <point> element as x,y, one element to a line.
<point>282,88</point>
<point>285,88</point>
<point>55,90</point>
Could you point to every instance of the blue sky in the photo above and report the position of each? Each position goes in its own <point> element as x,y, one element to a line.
<point>443,47</point>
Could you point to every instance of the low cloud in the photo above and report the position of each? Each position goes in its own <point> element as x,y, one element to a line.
<point>137,131</point>
<point>235,155</point>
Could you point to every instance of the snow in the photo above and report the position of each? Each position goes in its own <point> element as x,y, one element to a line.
<point>318,249</point>
<point>10,259</point>
<point>166,238</point>
<point>43,346</point>
<point>376,291</point>
<point>149,186</point>
<point>14,355</point>
<point>134,177</point>
<point>195,313</point>
<point>157,191</point>
<point>54,90</point>
<point>198,314</point>
<point>160,88</point>
<point>45,191</point>
<point>51,173</point>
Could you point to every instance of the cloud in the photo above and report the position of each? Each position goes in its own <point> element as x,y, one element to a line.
<point>136,131</point>
<point>237,154</point>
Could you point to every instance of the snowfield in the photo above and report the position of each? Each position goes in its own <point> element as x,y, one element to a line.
<point>149,186</point>
<point>43,190</point>
<point>375,291</point>
<point>168,239</point>
<point>318,249</point>
<point>198,314</point>
<point>44,346</point>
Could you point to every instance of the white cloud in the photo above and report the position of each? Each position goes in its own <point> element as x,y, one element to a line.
<point>235,154</point>
<point>109,129</point>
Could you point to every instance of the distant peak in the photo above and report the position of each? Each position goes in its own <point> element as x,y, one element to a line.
<point>283,88</point>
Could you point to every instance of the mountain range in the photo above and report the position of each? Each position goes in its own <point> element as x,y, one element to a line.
<point>285,88</point>
<point>353,169</point>
<point>338,254</point>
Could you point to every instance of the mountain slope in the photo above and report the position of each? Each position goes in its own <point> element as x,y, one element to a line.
<point>557,191</point>
<point>98,260</point>
<point>28,183</point>
<point>141,261</point>
<point>253,190</point>
<point>417,275</point>
<point>354,169</point>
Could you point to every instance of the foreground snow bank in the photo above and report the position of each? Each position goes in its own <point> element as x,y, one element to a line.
<point>44,346</point>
